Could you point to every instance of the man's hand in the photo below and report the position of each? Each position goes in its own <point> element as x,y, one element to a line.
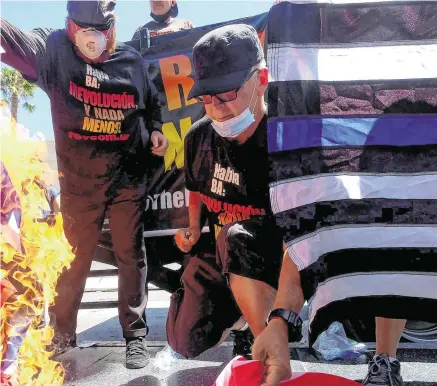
<point>159,143</point>
<point>186,238</point>
<point>271,347</point>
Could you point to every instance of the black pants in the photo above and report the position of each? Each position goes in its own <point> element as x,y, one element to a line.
<point>204,307</point>
<point>83,218</point>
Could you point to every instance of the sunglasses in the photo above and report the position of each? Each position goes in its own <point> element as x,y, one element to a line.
<point>227,96</point>
<point>101,27</point>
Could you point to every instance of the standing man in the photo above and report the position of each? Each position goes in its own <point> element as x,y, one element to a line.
<point>165,19</point>
<point>226,171</point>
<point>105,113</point>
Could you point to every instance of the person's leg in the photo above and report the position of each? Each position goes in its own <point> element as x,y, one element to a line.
<point>82,226</point>
<point>126,214</point>
<point>250,253</point>
<point>384,368</point>
<point>388,334</point>
<point>203,310</point>
<point>255,300</point>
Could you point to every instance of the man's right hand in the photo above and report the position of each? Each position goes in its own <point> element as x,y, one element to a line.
<point>186,238</point>
<point>271,347</point>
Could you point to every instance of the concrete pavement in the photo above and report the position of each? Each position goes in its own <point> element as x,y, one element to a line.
<point>100,361</point>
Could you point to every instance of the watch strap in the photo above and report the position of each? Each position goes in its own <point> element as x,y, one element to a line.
<point>293,321</point>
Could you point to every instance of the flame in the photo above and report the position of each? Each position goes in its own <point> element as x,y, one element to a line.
<point>44,254</point>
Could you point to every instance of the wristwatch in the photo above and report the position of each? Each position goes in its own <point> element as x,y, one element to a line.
<point>293,320</point>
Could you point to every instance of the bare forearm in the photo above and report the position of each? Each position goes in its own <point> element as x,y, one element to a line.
<point>195,209</point>
<point>290,294</point>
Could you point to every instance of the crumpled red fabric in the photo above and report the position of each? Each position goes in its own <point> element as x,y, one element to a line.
<point>6,290</point>
<point>241,372</point>
<point>5,380</point>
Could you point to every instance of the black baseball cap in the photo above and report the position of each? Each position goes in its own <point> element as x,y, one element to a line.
<point>224,58</point>
<point>98,13</point>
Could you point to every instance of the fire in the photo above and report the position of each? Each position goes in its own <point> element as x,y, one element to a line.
<point>44,253</point>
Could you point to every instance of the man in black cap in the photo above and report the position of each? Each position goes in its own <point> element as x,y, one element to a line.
<point>226,172</point>
<point>105,114</point>
<point>165,19</point>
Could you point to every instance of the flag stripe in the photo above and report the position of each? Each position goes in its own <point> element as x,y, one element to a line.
<point>409,96</point>
<point>353,23</point>
<point>375,284</point>
<point>394,130</point>
<point>369,159</point>
<point>367,307</point>
<point>306,250</point>
<point>352,63</point>
<point>310,218</point>
<point>366,260</point>
<point>301,191</point>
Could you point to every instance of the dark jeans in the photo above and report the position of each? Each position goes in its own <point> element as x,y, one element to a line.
<point>204,307</point>
<point>83,218</point>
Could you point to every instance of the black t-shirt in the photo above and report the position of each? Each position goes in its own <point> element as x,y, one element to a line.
<point>232,179</point>
<point>102,113</point>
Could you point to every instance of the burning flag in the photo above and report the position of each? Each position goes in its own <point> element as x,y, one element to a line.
<point>33,254</point>
<point>11,336</point>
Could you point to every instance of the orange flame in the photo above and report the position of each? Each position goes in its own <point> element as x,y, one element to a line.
<point>46,253</point>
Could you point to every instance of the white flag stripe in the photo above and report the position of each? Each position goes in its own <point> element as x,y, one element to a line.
<point>290,63</point>
<point>290,194</point>
<point>414,285</point>
<point>307,249</point>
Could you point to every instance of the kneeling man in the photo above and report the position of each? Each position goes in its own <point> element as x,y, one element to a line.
<point>226,171</point>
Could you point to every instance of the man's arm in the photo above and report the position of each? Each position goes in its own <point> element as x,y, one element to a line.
<point>186,238</point>
<point>23,50</point>
<point>192,182</point>
<point>152,117</point>
<point>195,210</point>
<point>271,346</point>
<point>153,104</point>
<point>290,294</point>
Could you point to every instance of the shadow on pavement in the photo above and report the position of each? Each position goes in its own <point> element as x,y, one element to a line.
<point>148,380</point>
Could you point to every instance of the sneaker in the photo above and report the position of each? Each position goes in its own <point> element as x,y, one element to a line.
<point>382,372</point>
<point>243,341</point>
<point>137,356</point>
<point>61,343</point>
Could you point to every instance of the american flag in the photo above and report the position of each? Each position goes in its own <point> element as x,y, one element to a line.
<point>352,134</point>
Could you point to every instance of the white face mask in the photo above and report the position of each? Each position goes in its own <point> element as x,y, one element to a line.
<point>237,125</point>
<point>90,42</point>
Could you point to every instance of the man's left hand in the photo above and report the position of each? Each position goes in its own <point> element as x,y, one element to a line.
<point>159,143</point>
